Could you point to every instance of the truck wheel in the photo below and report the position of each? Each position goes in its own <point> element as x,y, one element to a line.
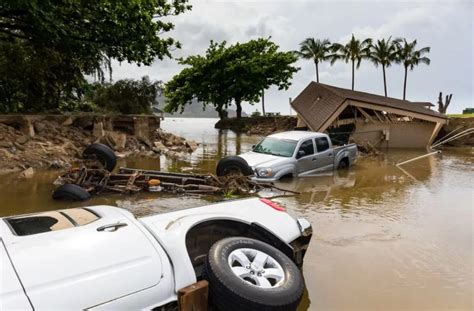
<point>71,192</point>
<point>246,274</point>
<point>344,163</point>
<point>233,165</point>
<point>101,152</point>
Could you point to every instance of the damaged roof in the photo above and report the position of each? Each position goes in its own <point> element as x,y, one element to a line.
<point>318,102</point>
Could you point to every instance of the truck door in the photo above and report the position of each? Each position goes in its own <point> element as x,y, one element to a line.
<point>307,162</point>
<point>12,295</point>
<point>81,258</point>
<point>324,155</point>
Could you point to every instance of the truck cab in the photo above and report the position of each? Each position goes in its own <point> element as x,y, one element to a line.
<point>292,153</point>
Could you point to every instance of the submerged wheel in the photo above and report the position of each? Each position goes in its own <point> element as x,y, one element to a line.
<point>233,165</point>
<point>71,192</point>
<point>344,163</point>
<point>103,154</point>
<point>246,274</point>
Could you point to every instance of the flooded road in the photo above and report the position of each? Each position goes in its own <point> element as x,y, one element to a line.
<point>383,238</point>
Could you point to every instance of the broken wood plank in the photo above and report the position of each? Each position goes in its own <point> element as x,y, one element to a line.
<point>365,114</point>
<point>194,297</point>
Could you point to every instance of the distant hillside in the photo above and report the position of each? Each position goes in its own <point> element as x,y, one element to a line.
<point>195,110</point>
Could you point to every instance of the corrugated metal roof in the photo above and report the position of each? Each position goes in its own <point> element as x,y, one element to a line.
<point>318,102</point>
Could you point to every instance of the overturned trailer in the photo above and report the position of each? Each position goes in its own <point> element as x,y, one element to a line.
<point>97,175</point>
<point>365,118</point>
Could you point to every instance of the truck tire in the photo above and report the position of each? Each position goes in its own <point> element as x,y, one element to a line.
<point>71,192</point>
<point>101,152</point>
<point>343,163</point>
<point>233,165</point>
<point>239,281</point>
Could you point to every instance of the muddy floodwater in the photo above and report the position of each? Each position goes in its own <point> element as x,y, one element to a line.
<point>383,238</point>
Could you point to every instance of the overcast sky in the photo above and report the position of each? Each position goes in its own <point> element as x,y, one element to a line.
<point>445,26</point>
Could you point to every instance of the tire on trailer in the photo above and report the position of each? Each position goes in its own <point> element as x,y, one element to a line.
<point>103,153</point>
<point>233,165</point>
<point>282,290</point>
<point>71,192</point>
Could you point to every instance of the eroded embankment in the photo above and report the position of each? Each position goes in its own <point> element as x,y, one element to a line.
<point>55,141</point>
<point>457,125</point>
<point>258,125</point>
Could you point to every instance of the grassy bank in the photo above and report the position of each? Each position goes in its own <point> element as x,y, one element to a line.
<point>467,115</point>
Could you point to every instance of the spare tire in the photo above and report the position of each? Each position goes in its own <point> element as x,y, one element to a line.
<point>233,165</point>
<point>103,154</point>
<point>71,192</point>
<point>247,274</point>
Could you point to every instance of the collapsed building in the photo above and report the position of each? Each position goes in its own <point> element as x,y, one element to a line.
<point>366,118</point>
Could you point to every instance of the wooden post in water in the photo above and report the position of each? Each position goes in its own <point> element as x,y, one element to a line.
<point>194,297</point>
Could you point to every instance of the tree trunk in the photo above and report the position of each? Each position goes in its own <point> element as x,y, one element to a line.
<point>405,83</point>
<point>239,108</point>
<point>263,102</point>
<point>353,64</point>
<point>222,113</point>
<point>384,80</point>
<point>317,71</point>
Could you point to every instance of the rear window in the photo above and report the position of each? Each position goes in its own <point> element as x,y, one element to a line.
<point>50,221</point>
<point>322,144</point>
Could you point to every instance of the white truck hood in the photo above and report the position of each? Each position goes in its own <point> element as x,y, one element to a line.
<point>255,159</point>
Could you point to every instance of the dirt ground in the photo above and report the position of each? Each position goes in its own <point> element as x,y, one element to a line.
<point>56,146</point>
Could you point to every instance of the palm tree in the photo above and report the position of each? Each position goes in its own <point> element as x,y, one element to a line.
<point>410,57</point>
<point>383,53</point>
<point>315,49</point>
<point>353,51</point>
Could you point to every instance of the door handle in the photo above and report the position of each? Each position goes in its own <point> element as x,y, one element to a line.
<point>330,155</point>
<point>313,159</point>
<point>114,227</point>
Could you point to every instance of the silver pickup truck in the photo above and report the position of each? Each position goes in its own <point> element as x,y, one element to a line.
<point>293,153</point>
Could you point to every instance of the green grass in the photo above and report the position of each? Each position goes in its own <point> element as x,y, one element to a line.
<point>467,115</point>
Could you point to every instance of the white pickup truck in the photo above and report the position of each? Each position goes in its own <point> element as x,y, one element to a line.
<point>103,258</point>
<point>292,153</point>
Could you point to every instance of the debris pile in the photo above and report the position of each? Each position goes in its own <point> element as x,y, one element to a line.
<point>55,144</point>
<point>130,181</point>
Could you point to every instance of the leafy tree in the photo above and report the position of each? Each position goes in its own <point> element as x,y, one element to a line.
<point>67,39</point>
<point>235,73</point>
<point>316,50</point>
<point>383,53</point>
<point>126,96</point>
<point>354,51</point>
<point>410,57</point>
<point>37,80</point>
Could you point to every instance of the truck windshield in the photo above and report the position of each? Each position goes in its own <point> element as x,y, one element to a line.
<point>275,146</point>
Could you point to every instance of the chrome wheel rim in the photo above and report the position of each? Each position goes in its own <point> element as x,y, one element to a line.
<point>256,268</point>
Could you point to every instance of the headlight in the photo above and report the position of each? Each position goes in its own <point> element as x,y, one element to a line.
<point>264,172</point>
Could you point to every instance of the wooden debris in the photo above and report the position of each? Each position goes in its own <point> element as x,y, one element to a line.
<point>194,297</point>
<point>130,181</point>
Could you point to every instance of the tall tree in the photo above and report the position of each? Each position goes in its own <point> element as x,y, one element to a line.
<point>410,57</point>
<point>316,50</point>
<point>235,73</point>
<point>383,53</point>
<point>72,38</point>
<point>353,51</point>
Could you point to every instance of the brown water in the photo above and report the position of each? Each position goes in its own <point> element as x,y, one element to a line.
<point>383,238</point>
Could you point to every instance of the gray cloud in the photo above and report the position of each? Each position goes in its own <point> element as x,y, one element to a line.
<point>445,26</point>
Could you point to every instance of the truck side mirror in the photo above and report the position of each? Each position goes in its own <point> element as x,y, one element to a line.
<point>253,147</point>
<point>300,154</point>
